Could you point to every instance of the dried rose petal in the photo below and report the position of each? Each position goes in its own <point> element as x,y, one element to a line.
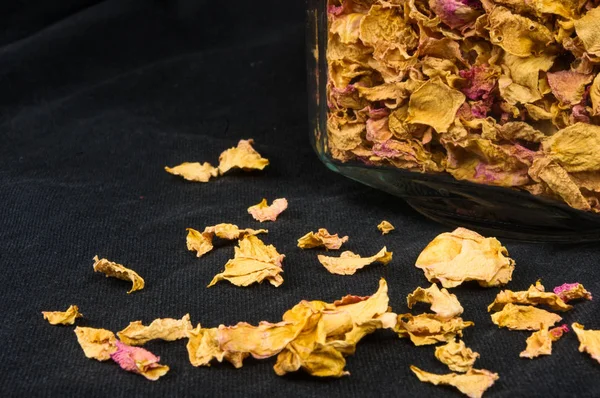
<point>263,212</point>
<point>139,360</point>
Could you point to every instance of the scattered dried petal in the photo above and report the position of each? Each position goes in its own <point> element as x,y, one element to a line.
<point>524,317</point>
<point>139,360</point>
<point>348,263</point>
<point>463,255</point>
<point>63,318</point>
<point>167,329</point>
<point>201,242</point>
<point>572,291</point>
<point>425,329</point>
<point>456,355</point>
<point>96,343</point>
<point>253,262</point>
<point>532,296</point>
<point>473,383</point>
<point>118,271</point>
<point>443,303</point>
<point>589,340</point>
<point>263,212</point>
<point>385,227</point>
<point>321,239</point>
<point>540,342</point>
<point>243,156</point>
<point>194,171</point>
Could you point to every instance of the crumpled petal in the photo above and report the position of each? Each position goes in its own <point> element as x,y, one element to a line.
<point>425,329</point>
<point>244,156</point>
<point>434,104</point>
<point>568,86</point>
<point>443,303</point>
<point>456,355</point>
<point>96,343</point>
<point>118,271</point>
<point>167,329</point>
<point>201,242</point>
<point>385,227</point>
<point>321,239</point>
<point>516,34</point>
<point>463,255</point>
<point>575,148</point>
<point>456,13</point>
<point>540,342</point>
<point>63,317</point>
<point>194,171</point>
<point>524,317</point>
<point>572,291</point>
<point>263,212</point>
<point>532,296</point>
<point>348,263</point>
<point>253,262</point>
<point>139,360</point>
<point>588,31</point>
<point>473,383</point>
<point>589,340</point>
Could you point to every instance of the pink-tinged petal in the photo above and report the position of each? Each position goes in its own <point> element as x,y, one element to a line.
<point>568,86</point>
<point>558,331</point>
<point>378,113</point>
<point>138,360</point>
<point>481,80</point>
<point>378,130</point>
<point>572,291</point>
<point>456,13</point>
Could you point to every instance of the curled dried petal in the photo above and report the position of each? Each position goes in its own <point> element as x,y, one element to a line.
<point>167,329</point>
<point>473,383</point>
<point>321,239</point>
<point>589,340</point>
<point>572,291</point>
<point>443,303</point>
<point>194,171</point>
<point>139,360</point>
<point>385,227</point>
<point>348,263</point>
<point>263,212</point>
<point>118,271</point>
<point>540,342</point>
<point>434,104</point>
<point>425,329</point>
<point>62,317</point>
<point>96,343</point>
<point>533,296</point>
<point>244,157</point>
<point>456,355</point>
<point>524,317</point>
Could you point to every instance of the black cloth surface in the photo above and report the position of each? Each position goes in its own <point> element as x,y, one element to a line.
<point>97,97</point>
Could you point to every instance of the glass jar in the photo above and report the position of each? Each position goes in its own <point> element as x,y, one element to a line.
<point>504,209</point>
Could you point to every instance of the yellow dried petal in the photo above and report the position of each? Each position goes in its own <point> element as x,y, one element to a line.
<point>425,329</point>
<point>203,346</point>
<point>575,148</point>
<point>244,157</point>
<point>589,340</point>
<point>348,263</point>
<point>595,96</point>
<point>385,227</point>
<point>558,181</point>
<point>521,82</point>
<point>384,28</point>
<point>524,317</point>
<point>533,296</point>
<point>456,355</point>
<point>540,342</point>
<point>62,317</point>
<point>516,34</point>
<point>263,212</point>
<point>321,239</point>
<point>194,171</point>
<point>463,255</point>
<point>118,271</point>
<point>434,104</point>
<point>199,242</point>
<point>96,343</point>
<point>588,31</point>
<point>473,383</point>
<point>443,303</point>
<point>253,262</point>
<point>347,27</point>
<point>167,329</point>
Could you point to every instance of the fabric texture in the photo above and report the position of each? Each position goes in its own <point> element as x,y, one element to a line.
<point>97,97</point>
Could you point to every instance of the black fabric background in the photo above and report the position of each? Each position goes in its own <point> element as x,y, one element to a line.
<point>97,97</point>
